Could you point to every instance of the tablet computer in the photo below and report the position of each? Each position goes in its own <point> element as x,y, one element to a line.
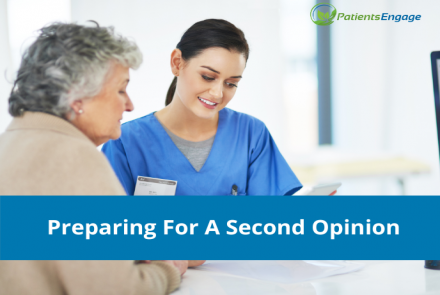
<point>435,65</point>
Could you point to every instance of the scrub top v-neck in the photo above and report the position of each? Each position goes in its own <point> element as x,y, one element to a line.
<point>243,155</point>
<point>196,152</point>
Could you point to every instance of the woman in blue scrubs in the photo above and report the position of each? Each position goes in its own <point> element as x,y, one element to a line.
<point>195,140</point>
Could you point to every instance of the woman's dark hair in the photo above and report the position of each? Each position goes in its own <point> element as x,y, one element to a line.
<point>207,34</point>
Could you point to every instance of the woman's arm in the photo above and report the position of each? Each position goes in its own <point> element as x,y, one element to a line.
<point>268,172</point>
<point>117,277</point>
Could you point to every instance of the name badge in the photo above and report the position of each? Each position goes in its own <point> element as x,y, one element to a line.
<point>146,186</point>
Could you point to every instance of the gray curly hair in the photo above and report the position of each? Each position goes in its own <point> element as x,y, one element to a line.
<point>68,62</point>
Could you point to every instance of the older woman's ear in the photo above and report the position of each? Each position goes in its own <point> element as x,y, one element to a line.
<point>77,106</point>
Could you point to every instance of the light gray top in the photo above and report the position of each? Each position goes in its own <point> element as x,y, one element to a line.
<point>195,151</point>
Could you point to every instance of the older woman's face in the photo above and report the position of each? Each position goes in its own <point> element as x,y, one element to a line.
<point>101,115</point>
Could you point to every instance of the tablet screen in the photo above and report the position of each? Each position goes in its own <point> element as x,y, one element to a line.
<point>435,66</point>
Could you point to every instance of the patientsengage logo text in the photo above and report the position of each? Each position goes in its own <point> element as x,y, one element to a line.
<point>324,14</point>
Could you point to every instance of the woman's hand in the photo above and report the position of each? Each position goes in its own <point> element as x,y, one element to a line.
<point>182,265</point>
<point>193,263</point>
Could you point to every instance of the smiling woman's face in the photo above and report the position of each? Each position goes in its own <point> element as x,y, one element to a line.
<point>208,82</point>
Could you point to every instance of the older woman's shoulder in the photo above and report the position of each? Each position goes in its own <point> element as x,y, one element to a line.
<point>53,163</point>
<point>90,168</point>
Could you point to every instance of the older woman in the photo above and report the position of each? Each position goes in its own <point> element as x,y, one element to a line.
<point>68,98</point>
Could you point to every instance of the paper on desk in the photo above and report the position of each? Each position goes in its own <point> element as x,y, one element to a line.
<point>281,271</point>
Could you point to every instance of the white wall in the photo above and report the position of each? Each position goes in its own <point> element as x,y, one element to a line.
<point>298,37</point>
<point>20,21</point>
<point>157,27</point>
<point>5,66</point>
<point>382,91</point>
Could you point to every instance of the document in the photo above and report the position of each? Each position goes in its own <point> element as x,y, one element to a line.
<point>281,271</point>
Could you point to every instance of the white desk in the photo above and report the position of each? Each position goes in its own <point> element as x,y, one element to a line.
<point>377,277</point>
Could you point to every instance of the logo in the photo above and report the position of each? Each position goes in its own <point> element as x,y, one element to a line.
<point>323,14</point>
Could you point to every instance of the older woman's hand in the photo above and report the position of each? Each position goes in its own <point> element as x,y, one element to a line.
<point>193,263</point>
<point>182,265</point>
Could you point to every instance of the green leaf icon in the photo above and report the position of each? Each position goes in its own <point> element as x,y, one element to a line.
<point>323,18</point>
<point>320,22</point>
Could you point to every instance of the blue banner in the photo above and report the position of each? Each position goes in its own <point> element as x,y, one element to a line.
<point>219,227</point>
